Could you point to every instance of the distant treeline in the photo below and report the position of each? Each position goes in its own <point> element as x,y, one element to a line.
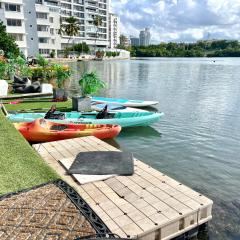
<point>213,48</point>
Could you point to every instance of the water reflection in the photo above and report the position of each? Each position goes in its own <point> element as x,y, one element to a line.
<point>136,132</point>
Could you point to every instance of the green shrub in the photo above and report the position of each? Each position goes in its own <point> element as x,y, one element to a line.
<point>90,83</point>
<point>52,54</point>
<point>62,74</point>
<point>3,67</point>
<point>7,42</point>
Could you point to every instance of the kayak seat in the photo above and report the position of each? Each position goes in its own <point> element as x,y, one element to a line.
<point>105,116</point>
<point>58,127</point>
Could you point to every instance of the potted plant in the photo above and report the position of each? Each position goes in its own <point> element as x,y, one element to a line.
<point>90,83</point>
<point>23,70</point>
<point>62,74</point>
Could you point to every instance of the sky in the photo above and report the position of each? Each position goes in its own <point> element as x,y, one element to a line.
<point>180,20</point>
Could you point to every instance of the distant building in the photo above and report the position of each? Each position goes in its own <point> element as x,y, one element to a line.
<point>134,41</point>
<point>125,41</point>
<point>114,30</point>
<point>144,37</point>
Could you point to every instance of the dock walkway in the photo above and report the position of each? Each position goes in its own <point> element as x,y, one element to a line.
<point>147,205</point>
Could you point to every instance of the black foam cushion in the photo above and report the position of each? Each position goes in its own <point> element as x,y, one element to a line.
<point>102,163</point>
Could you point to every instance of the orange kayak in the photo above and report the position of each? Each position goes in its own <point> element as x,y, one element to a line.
<point>42,130</point>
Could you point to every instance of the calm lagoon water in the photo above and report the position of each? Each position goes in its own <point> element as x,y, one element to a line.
<point>198,140</point>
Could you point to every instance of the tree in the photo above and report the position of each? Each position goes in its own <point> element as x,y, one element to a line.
<point>7,42</point>
<point>81,48</point>
<point>70,28</point>
<point>97,22</point>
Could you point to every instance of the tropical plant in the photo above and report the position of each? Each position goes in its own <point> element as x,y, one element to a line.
<point>70,28</point>
<point>90,83</point>
<point>7,42</point>
<point>80,48</point>
<point>42,61</point>
<point>43,70</point>
<point>10,67</point>
<point>22,68</point>
<point>3,67</point>
<point>97,22</point>
<point>61,74</point>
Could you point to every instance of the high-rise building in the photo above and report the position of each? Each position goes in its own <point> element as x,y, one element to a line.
<point>35,23</point>
<point>124,41</point>
<point>144,37</point>
<point>48,24</point>
<point>114,30</point>
<point>134,41</point>
<point>85,11</point>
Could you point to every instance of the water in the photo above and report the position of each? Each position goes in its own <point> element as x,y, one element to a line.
<point>198,140</point>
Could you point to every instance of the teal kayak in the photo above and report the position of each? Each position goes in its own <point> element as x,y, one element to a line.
<point>124,119</point>
<point>124,102</point>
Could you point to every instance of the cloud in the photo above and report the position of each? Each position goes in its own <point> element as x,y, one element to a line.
<point>180,20</point>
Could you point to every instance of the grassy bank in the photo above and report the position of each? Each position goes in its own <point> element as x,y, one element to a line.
<point>20,166</point>
<point>36,105</point>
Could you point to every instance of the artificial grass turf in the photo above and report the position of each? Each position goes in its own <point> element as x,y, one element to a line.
<point>20,166</point>
<point>38,105</point>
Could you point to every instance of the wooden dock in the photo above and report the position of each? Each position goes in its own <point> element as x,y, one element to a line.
<point>147,205</point>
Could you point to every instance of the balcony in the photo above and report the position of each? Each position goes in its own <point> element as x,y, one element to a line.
<point>14,1</point>
<point>91,29</point>
<point>42,8</point>
<point>14,15</point>
<point>43,21</point>
<point>16,29</point>
<point>21,44</point>
<point>44,34</point>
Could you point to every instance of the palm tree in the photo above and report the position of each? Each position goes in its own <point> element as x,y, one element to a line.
<point>70,28</point>
<point>97,22</point>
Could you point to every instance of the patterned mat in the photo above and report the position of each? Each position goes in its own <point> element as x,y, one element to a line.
<point>51,211</point>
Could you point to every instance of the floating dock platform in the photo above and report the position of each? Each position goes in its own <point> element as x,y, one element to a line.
<point>148,205</point>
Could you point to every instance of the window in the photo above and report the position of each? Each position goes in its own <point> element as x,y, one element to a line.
<point>44,51</point>
<point>42,28</point>
<point>43,40</point>
<point>12,7</point>
<point>17,37</point>
<point>51,19</point>
<point>65,5</point>
<point>41,15</point>
<point>52,31</point>
<point>14,22</point>
<point>53,41</point>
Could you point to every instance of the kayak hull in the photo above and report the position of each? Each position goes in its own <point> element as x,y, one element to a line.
<point>42,130</point>
<point>124,119</point>
<point>124,102</point>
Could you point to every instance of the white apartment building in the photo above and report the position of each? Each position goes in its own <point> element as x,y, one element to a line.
<point>48,24</point>
<point>114,30</point>
<point>35,23</point>
<point>85,11</point>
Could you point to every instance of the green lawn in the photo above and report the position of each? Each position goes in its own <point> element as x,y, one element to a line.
<point>20,166</point>
<point>37,105</point>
